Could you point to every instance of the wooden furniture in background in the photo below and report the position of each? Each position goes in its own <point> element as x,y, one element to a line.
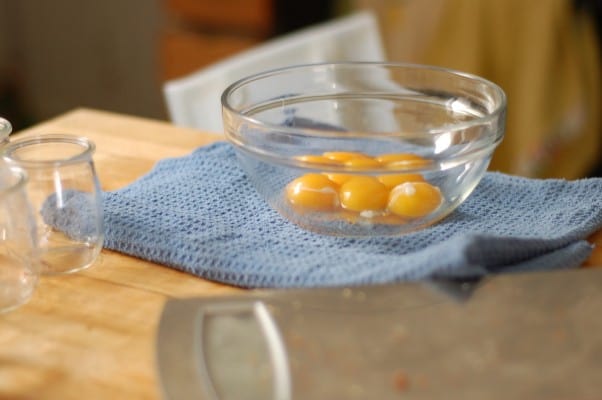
<point>201,32</point>
<point>194,100</point>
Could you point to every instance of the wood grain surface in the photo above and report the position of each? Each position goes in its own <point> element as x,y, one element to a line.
<point>91,335</point>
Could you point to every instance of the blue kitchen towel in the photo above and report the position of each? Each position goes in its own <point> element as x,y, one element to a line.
<point>200,214</point>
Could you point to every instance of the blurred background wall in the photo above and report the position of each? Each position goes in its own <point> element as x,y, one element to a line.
<point>61,54</point>
<point>115,55</point>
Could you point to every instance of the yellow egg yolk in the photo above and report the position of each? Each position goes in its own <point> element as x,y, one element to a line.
<point>362,163</point>
<point>313,191</point>
<point>343,156</point>
<point>402,160</point>
<point>414,199</point>
<point>392,180</point>
<point>339,179</point>
<point>363,193</point>
<point>312,158</point>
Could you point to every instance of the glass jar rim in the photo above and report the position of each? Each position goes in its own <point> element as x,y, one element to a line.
<point>88,147</point>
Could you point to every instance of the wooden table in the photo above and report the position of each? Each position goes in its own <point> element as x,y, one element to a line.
<point>91,335</point>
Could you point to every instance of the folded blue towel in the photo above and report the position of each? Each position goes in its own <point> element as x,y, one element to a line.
<point>200,214</point>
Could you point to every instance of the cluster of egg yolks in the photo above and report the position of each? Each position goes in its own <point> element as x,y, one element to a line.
<point>405,194</point>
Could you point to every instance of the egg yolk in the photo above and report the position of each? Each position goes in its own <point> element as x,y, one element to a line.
<point>343,156</point>
<point>339,179</point>
<point>311,158</point>
<point>392,180</point>
<point>362,163</point>
<point>313,191</point>
<point>414,199</point>
<point>363,193</point>
<point>402,160</point>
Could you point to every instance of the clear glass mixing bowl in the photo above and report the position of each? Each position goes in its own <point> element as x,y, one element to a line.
<point>427,133</point>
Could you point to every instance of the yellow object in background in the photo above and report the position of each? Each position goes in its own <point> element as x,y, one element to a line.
<point>543,53</point>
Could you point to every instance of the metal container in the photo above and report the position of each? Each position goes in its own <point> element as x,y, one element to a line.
<point>523,336</point>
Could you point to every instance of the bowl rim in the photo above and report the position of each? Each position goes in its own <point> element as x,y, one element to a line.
<point>497,112</point>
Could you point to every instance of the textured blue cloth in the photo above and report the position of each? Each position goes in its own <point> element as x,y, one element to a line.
<point>200,214</point>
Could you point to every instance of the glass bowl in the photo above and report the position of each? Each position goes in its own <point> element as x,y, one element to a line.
<point>363,148</point>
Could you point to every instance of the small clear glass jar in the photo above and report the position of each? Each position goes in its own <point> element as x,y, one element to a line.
<point>18,251</point>
<point>65,194</point>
